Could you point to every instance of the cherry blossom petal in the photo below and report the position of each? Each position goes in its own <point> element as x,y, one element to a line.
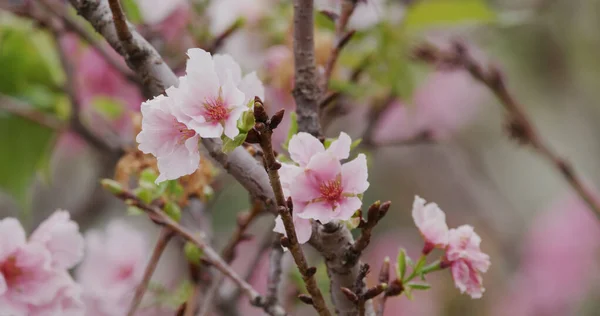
<point>348,206</point>
<point>303,229</point>
<point>320,211</point>
<point>252,87</point>
<point>355,174</point>
<point>340,147</point>
<point>287,175</point>
<point>12,236</point>
<point>231,129</point>
<point>201,72</point>
<point>431,221</point>
<point>183,161</point>
<point>224,64</point>
<point>303,146</point>
<point>207,129</point>
<point>60,236</point>
<point>232,96</point>
<point>324,167</point>
<point>303,189</point>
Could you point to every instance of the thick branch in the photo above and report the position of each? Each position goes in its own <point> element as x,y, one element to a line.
<point>519,124</point>
<point>159,248</point>
<point>306,89</point>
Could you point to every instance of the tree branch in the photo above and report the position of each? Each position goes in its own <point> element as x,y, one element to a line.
<point>306,89</point>
<point>264,130</point>
<point>519,124</point>
<point>209,254</point>
<point>161,245</point>
<point>274,270</point>
<point>20,108</point>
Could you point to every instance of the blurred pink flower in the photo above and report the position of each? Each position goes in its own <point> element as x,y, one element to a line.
<point>431,221</point>
<point>33,278</point>
<point>366,14</point>
<point>446,102</point>
<point>224,13</point>
<point>61,237</point>
<point>169,139</point>
<point>174,26</point>
<point>155,11</point>
<point>467,261</point>
<point>559,264</point>
<point>112,268</point>
<point>214,94</point>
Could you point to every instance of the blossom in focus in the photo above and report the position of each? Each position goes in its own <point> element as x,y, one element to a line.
<point>33,275</point>
<point>303,228</point>
<point>168,138</point>
<point>112,268</point>
<point>466,260</point>
<point>325,189</point>
<point>213,95</point>
<point>431,221</point>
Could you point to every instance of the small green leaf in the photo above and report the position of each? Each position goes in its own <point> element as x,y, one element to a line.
<point>148,175</point>
<point>208,192</point>
<point>408,292</point>
<point>192,253</point>
<point>246,122</point>
<point>109,108</point>
<point>428,13</point>
<point>401,264</point>
<point>293,129</point>
<point>322,21</point>
<point>174,189</point>
<point>144,194</point>
<point>132,10</point>
<point>328,142</point>
<point>112,186</point>
<point>173,210</point>
<point>230,144</point>
<point>134,211</point>
<point>355,143</point>
<point>420,287</point>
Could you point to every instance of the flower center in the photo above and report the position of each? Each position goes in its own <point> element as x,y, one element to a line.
<point>124,273</point>
<point>184,132</point>
<point>331,190</point>
<point>215,110</point>
<point>10,271</point>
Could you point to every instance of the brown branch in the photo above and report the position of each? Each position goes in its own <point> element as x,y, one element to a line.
<point>161,245</point>
<point>24,110</point>
<point>274,278</point>
<point>123,32</point>
<point>384,277</point>
<point>190,304</point>
<point>306,89</point>
<point>519,124</point>
<point>264,130</point>
<point>375,213</point>
<point>209,254</point>
<point>341,37</point>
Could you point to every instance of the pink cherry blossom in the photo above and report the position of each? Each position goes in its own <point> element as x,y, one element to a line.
<point>67,302</point>
<point>170,140</point>
<point>431,221</point>
<point>60,236</point>
<point>466,260</point>
<point>325,189</point>
<point>214,95</point>
<point>113,266</point>
<point>303,228</point>
<point>28,280</point>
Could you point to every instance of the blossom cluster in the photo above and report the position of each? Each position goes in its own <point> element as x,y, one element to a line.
<point>33,271</point>
<point>321,186</point>
<point>208,103</point>
<point>461,245</point>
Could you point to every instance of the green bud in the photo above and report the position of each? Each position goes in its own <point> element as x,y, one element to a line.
<point>112,186</point>
<point>192,253</point>
<point>173,210</point>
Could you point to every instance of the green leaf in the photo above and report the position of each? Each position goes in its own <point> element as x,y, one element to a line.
<point>417,286</point>
<point>109,108</point>
<point>401,264</point>
<point>145,194</point>
<point>173,210</point>
<point>25,145</point>
<point>132,10</point>
<point>246,122</point>
<point>355,143</point>
<point>112,186</point>
<point>428,13</point>
<point>192,253</point>
<point>323,22</point>
<point>230,144</point>
<point>293,129</point>
<point>148,175</point>
<point>134,211</point>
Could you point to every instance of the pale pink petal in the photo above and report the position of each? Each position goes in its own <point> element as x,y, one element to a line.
<point>302,190</point>
<point>320,211</point>
<point>303,229</point>
<point>3,285</point>
<point>340,147</point>
<point>12,236</point>
<point>207,129</point>
<point>178,96</point>
<point>60,236</point>
<point>225,64</point>
<point>231,129</point>
<point>158,136</point>
<point>183,161</point>
<point>347,207</point>
<point>38,283</point>
<point>232,96</point>
<point>252,87</point>
<point>279,228</point>
<point>431,221</point>
<point>324,167</point>
<point>202,76</point>
<point>355,174</point>
<point>467,279</point>
<point>287,175</point>
<point>303,146</point>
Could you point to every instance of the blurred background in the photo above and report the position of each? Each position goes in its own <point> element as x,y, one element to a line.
<point>69,115</point>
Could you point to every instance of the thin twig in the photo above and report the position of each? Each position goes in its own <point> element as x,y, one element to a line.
<point>20,108</point>
<point>190,304</point>
<point>341,39</point>
<point>76,27</point>
<point>220,39</point>
<point>209,254</point>
<point>120,21</point>
<point>375,213</point>
<point>519,124</point>
<point>274,278</point>
<point>264,130</point>
<point>384,277</point>
<point>159,248</point>
<point>306,89</point>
